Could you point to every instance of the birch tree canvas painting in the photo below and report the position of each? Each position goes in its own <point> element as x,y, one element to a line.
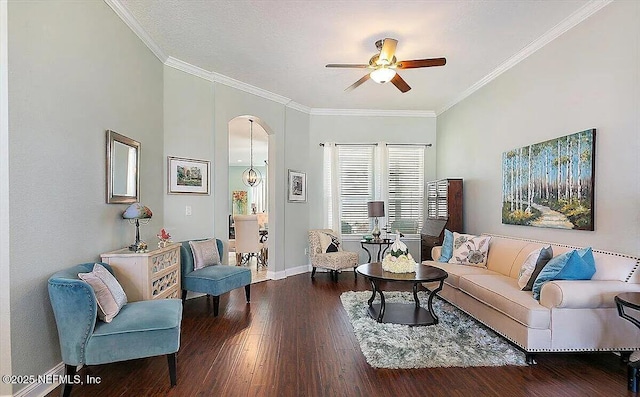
<point>550,184</point>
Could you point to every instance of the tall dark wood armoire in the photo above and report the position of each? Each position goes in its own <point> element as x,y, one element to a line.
<point>443,211</point>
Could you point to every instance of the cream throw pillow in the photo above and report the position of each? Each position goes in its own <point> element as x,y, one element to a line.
<point>527,268</point>
<point>205,253</point>
<point>109,294</point>
<point>470,250</point>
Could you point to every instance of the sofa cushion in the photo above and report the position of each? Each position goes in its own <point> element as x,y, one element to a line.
<point>144,327</point>
<point>205,253</point>
<point>546,254</point>
<point>527,268</point>
<point>456,271</point>
<point>110,296</point>
<point>329,242</point>
<point>447,247</point>
<point>503,294</point>
<point>470,250</point>
<point>227,278</point>
<point>572,265</point>
<point>186,256</point>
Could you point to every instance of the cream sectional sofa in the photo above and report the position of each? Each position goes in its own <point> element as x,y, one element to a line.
<point>571,316</point>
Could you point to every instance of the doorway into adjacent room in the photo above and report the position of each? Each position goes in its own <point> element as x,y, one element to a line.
<point>248,191</point>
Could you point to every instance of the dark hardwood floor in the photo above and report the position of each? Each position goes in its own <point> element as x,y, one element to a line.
<point>295,339</point>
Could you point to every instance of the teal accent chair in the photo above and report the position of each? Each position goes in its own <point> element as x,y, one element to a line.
<point>141,329</point>
<point>212,280</point>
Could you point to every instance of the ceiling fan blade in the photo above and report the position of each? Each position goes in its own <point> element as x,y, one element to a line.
<point>346,65</point>
<point>358,83</point>
<point>421,63</point>
<point>388,50</point>
<point>400,83</point>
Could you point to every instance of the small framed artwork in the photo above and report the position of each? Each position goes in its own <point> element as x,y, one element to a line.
<point>187,176</point>
<point>297,187</point>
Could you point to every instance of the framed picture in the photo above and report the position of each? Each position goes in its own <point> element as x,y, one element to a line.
<point>239,202</point>
<point>551,183</point>
<point>297,187</point>
<point>187,176</point>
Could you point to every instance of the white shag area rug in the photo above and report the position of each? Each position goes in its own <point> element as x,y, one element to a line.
<point>457,340</point>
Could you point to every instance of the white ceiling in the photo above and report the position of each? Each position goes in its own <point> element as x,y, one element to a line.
<point>282,46</point>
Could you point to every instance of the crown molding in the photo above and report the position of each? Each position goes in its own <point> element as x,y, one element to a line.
<point>188,68</point>
<point>299,107</point>
<point>228,81</point>
<point>133,24</point>
<point>571,21</point>
<point>574,19</point>
<point>372,112</point>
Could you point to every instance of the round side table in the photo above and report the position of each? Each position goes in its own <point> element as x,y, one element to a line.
<point>386,242</point>
<point>630,300</point>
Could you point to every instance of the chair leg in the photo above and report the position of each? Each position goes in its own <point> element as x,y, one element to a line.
<point>171,359</point>
<point>238,259</point>
<point>69,371</point>
<point>247,292</point>
<point>313,272</point>
<point>216,305</point>
<point>184,295</point>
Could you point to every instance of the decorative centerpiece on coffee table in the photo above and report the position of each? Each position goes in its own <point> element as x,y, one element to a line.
<point>399,260</point>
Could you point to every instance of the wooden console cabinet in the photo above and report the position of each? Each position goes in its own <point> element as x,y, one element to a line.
<point>443,211</point>
<point>147,275</point>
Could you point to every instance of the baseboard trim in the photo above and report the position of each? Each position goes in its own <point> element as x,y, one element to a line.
<point>42,389</point>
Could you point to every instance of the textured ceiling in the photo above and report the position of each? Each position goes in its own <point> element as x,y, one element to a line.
<point>283,46</point>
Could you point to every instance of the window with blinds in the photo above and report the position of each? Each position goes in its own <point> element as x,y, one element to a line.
<point>406,188</point>
<point>356,187</point>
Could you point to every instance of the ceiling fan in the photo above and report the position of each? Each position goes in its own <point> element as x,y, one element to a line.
<point>384,65</point>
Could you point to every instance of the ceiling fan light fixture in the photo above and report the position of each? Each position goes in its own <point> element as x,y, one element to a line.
<point>382,75</point>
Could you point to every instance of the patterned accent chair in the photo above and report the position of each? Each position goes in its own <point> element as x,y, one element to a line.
<point>325,251</point>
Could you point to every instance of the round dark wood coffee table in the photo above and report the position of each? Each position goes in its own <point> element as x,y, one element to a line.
<point>402,313</point>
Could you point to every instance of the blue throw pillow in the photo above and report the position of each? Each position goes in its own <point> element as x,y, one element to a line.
<point>447,247</point>
<point>572,265</point>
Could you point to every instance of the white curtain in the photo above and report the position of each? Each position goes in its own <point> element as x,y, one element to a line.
<point>332,188</point>
<point>381,179</point>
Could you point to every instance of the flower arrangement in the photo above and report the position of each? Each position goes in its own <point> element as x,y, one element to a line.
<point>164,238</point>
<point>399,260</point>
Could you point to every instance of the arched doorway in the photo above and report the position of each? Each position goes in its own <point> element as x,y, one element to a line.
<point>249,150</point>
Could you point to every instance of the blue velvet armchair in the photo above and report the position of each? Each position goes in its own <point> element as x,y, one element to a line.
<point>141,329</point>
<point>212,280</point>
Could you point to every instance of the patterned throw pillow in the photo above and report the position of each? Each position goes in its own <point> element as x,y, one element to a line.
<point>109,294</point>
<point>329,242</point>
<point>205,253</point>
<point>470,250</point>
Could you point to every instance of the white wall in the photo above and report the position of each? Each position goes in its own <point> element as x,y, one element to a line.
<point>587,78</point>
<point>188,133</point>
<point>75,70</point>
<point>296,214</point>
<point>197,113</point>
<point>364,129</point>
<point>5,270</point>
